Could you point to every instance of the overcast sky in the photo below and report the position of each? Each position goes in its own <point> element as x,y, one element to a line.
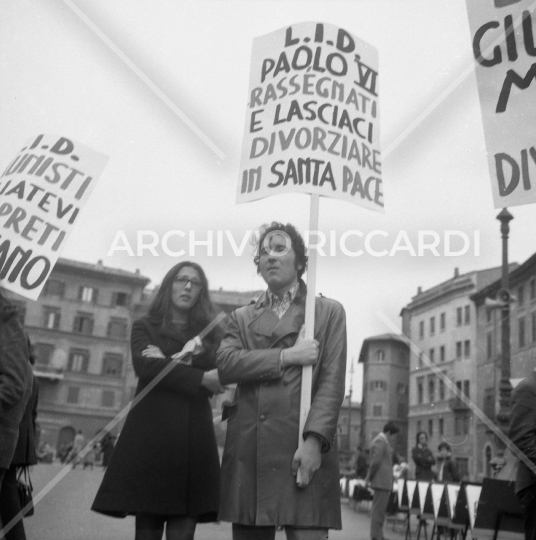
<point>57,76</point>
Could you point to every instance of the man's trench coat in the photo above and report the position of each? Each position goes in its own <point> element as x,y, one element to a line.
<point>258,487</point>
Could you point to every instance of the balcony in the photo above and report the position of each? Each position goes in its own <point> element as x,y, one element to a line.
<point>456,404</point>
<point>48,372</point>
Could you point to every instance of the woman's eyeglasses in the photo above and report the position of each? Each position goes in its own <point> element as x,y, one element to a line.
<point>183,281</point>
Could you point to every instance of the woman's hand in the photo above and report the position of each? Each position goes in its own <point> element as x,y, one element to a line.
<point>192,348</point>
<point>152,351</point>
<point>211,382</point>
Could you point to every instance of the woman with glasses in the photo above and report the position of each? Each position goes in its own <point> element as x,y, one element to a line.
<point>165,466</point>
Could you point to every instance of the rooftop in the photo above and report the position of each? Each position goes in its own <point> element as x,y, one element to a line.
<point>99,269</point>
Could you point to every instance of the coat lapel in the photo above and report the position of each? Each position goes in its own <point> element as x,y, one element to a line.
<point>268,326</point>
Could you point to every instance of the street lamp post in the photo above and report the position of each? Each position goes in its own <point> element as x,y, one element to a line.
<point>350,406</point>
<point>505,388</point>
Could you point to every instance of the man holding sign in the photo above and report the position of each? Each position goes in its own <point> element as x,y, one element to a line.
<point>267,480</point>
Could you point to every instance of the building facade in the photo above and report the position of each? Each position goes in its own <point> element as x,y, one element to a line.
<point>522,284</point>
<point>441,324</point>
<point>385,361</point>
<point>348,434</point>
<point>79,328</point>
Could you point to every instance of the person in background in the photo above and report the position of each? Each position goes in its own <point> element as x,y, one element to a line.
<point>165,466</point>
<point>522,433</point>
<point>24,456</point>
<point>264,351</point>
<point>448,472</point>
<point>16,383</point>
<point>107,447</point>
<point>361,465</point>
<point>78,446</point>
<point>380,477</point>
<point>423,458</point>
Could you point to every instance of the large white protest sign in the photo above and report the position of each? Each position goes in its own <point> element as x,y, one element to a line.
<point>503,36</point>
<point>312,122</point>
<point>42,192</point>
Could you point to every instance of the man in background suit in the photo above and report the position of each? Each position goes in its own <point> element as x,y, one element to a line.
<point>380,477</point>
<point>523,435</point>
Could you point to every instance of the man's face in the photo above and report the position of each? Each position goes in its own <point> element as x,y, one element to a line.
<point>277,265</point>
<point>392,439</point>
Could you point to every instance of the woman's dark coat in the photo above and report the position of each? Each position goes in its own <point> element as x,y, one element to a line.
<point>25,452</point>
<point>165,460</point>
<point>15,385</point>
<point>424,459</point>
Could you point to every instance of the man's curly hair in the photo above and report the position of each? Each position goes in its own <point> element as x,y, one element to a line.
<point>297,244</point>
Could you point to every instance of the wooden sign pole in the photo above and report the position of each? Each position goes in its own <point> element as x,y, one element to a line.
<point>307,371</point>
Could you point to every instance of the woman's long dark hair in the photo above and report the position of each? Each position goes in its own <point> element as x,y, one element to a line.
<point>422,433</point>
<point>7,309</point>
<point>203,311</point>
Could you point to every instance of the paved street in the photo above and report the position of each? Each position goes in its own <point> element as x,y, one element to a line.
<point>64,514</point>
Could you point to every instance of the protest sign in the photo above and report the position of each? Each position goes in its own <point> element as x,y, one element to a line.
<point>312,122</point>
<point>42,192</point>
<point>503,40</point>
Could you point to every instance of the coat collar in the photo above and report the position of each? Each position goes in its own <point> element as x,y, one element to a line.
<point>266,323</point>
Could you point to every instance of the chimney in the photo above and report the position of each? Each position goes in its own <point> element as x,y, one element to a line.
<point>419,290</point>
<point>456,272</point>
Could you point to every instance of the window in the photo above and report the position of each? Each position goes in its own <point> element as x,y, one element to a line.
<point>520,294</point>
<point>108,398</point>
<point>467,388</point>
<point>51,317</point>
<point>380,355</point>
<point>421,329</point>
<point>83,323</point>
<point>78,360</point>
<point>489,345</point>
<point>117,328</point>
<point>54,287</point>
<point>521,331</point>
<point>488,315</point>
<point>377,409</point>
<point>441,427</point>
<point>378,385</point>
<point>533,327</point>
<point>112,365</point>
<point>442,353</point>
<point>401,389</point>
<point>120,299</point>
<point>442,321</point>
<point>467,348</point>
<point>432,326</point>
<point>532,289</point>
<point>432,354</point>
<point>489,403</point>
<point>87,294</point>
<point>420,360</point>
<point>441,389</point>
<point>43,353</point>
<point>430,428</point>
<point>419,426</point>
<point>458,349</point>
<point>459,313</point>
<point>73,394</point>
<point>420,390</point>
<point>467,315</point>
<point>431,390</point>
<point>461,424</point>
